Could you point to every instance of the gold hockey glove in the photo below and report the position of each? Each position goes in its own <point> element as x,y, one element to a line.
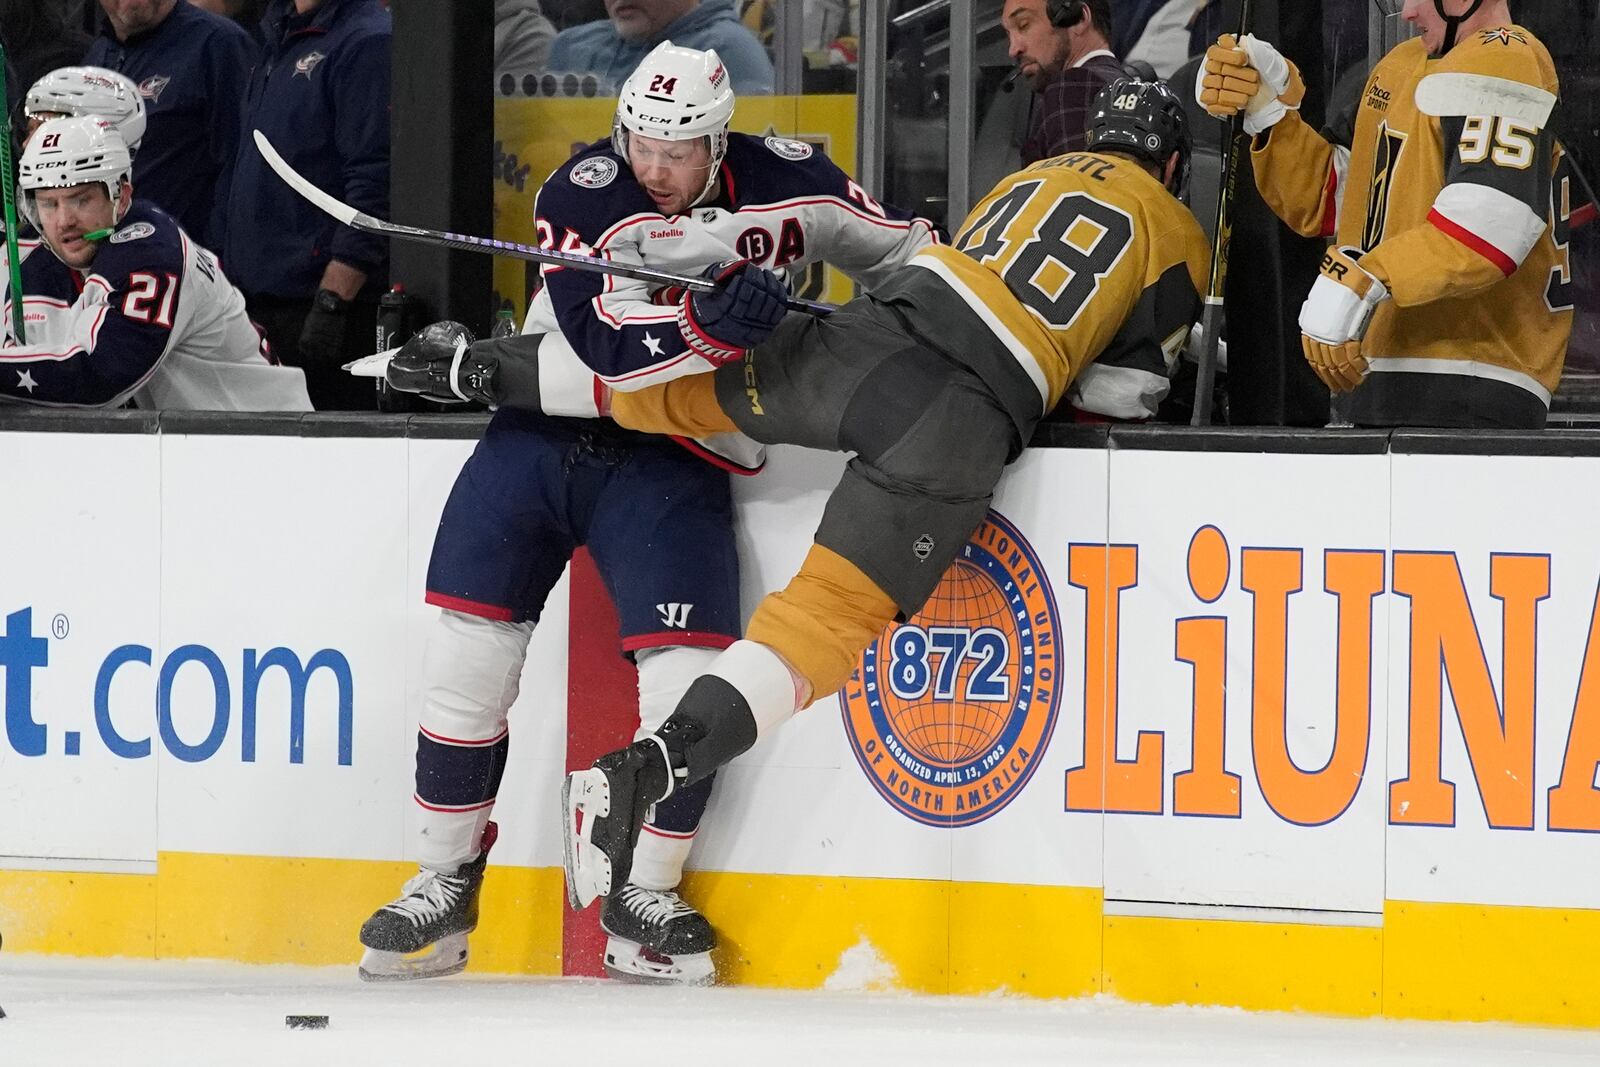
<point>1249,75</point>
<point>1341,367</point>
<point>1335,316</point>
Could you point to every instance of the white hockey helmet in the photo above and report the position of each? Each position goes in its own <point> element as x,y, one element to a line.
<point>78,91</point>
<point>677,94</point>
<point>73,151</point>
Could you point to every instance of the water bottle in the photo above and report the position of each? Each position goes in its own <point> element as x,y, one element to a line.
<point>505,324</point>
<point>392,332</point>
<point>391,319</point>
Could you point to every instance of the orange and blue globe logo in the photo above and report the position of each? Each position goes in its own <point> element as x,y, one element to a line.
<point>950,713</point>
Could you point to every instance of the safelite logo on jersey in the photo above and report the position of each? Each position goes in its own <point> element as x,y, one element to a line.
<point>949,713</point>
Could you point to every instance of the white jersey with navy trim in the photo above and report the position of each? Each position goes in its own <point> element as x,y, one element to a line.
<point>783,205</point>
<point>153,320</point>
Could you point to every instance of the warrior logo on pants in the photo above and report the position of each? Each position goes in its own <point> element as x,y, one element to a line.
<point>950,713</point>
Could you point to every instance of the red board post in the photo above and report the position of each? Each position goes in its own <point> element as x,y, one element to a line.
<point>602,713</point>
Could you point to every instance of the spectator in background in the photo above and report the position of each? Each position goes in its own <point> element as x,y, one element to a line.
<point>247,13</point>
<point>1163,40</point>
<point>1062,48</point>
<point>829,29</point>
<point>190,66</point>
<point>522,39</point>
<point>611,49</point>
<point>568,13</point>
<point>321,96</point>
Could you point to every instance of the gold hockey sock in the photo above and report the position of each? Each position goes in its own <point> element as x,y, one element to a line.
<point>686,406</point>
<point>822,620</point>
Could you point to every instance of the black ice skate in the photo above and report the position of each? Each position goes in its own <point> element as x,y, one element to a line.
<point>654,937</point>
<point>423,934</point>
<point>604,808</point>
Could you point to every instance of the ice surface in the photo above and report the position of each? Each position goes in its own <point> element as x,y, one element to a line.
<point>175,1013</point>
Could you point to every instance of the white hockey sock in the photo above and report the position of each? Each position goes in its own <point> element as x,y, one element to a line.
<point>664,676</point>
<point>470,677</point>
<point>659,858</point>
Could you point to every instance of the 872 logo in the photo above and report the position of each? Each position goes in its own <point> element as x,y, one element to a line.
<point>949,713</point>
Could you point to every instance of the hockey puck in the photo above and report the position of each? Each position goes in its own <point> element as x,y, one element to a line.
<point>306,1022</point>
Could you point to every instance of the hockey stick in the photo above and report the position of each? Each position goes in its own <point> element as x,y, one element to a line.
<point>361,221</point>
<point>1211,317</point>
<point>8,193</point>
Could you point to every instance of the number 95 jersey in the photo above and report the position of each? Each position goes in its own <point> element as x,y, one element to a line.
<point>1446,173</point>
<point>1089,271</point>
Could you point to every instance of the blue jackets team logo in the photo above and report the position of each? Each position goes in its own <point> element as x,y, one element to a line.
<point>308,63</point>
<point>949,713</point>
<point>152,87</point>
<point>789,149</point>
<point>595,172</point>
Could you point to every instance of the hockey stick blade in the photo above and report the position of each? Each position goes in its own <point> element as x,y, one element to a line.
<point>360,220</point>
<point>372,366</point>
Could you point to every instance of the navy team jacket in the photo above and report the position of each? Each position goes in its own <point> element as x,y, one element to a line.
<point>321,95</point>
<point>191,71</point>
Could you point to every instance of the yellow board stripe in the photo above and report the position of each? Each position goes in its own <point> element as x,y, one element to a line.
<point>76,914</point>
<point>1335,970</point>
<point>1427,961</point>
<point>263,909</point>
<point>1482,963</point>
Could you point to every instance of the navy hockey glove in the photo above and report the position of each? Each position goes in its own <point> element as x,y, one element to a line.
<point>739,314</point>
<point>439,363</point>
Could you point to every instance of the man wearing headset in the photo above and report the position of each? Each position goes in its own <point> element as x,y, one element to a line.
<point>1063,48</point>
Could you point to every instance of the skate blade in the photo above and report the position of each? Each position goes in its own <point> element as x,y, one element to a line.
<point>628,961</point>
<point>446,956</point>
<point>585,797</point>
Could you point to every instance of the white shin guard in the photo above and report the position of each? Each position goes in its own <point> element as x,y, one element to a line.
<point>664,676</point>
<point>470,677</point>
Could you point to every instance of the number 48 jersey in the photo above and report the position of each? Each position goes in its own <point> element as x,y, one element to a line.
<point>1089,271</point>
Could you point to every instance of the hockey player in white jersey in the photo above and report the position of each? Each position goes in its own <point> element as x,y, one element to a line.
<point>73,92</point>
<point>119,304</point>
<point>674,189</point>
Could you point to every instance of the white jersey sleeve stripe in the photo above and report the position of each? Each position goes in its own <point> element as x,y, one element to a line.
<point>1497,219</point>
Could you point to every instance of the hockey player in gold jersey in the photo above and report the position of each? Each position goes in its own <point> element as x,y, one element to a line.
<point>934,383</point>
<point>1446,294</point>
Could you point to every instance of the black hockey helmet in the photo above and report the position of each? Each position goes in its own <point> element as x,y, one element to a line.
<point>1146,120</point>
